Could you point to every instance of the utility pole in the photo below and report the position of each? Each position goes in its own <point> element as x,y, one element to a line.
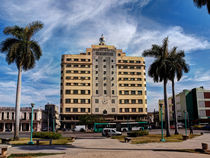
<point>162,137</point>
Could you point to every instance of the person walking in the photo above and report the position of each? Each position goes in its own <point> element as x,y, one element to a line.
<point>191,130</point>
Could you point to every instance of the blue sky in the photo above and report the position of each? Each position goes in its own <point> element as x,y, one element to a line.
<point>70,26</point>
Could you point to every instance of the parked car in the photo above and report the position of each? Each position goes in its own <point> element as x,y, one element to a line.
<point>110,132</point>
<point>79,128</point>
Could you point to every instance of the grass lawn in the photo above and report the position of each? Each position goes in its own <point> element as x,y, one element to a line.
<point>24,141</point>
<point>151,138</point>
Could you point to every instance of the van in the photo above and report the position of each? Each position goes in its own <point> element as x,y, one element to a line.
<point>79,128</point>
<point>110,132</point>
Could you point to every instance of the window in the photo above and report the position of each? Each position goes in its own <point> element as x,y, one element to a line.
<point>82,110</point>
<point>75,109</point>
<point>140,109</point>
<point>88,91</point>
<point>113,109</point>
<point>96,91</point>
<point>112,66</point>
<point>68,84</point>
<point>24,118</point>
<point>119,61</point>
<point>104,72</point>
<point>112,91</point>
<point>68,65</point>
<point>126,101</point>
<point>13,114</point>
<point>82,91</point>
<point>75,91</point>
<point>76,65</point>
<point>68,71</point>
<point>68,91</point>
<point>138,79</point>
<point>133,101</point>
<point>112,72</point>
<point>96,60</point>
<point>76,59</point>
<point>75,100</point>
<point>104,60</point>
<point>82,72</point>
<point>2,115</point>
<point>138,73</point>
<point>131,67</point>
<point>139,92</point>
<point>119,54</point>
<point>125,61</point>
<point>104,78</point>
<point>131,61</point>
<point>96,101</point>
<point>126,92</point>
<point>120,109</point>
<point>113,101</point>
<point>76,72</point>
<point>120,92</point>
<point>120,101</point>
<point>112,78</point>
<point>82,101</point>
<point>68,100</point>
<point>104,84</point>
<point>125,79</point>
<point>96,84</point>
<point>88,109</point>
<point>82,65</point>
<point>96,78</point>
<point>104,66</point>
<point>83,59</point>
<point>132,85</point>
<point>133,92</point>
<point>68,59</point>
<point>112,84</point>
<point>96,66</point>
<point>126,109</point>
<point>138,61</point>
<point>132,79</point>
<point>104,91</point>
<point>139,85</point>
<point>88,101</point>
<point>96,110</point>
<point>112,60</point>
<point>139,101</point>
<point>88,53</point>
<point>133,109</point>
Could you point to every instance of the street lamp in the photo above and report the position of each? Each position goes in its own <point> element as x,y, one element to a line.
<point>161,117</point>
<point>32,110</point>
<point>53,124</point>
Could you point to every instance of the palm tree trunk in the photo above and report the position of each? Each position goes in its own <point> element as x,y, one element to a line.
<point>174,106</point>
<point>167,119</point>
<point>17,106</point>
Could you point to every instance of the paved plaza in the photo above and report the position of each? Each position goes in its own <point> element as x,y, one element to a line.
<point>93,147</point>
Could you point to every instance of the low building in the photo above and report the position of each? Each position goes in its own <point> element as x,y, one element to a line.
<point>7,119</point>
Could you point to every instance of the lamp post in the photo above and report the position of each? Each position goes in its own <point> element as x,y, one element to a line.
<point>185,117</point>
<point>53,124</point>
<point>32,110</point>
<point>161,117</point>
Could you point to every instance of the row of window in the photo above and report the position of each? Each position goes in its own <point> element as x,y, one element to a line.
<point>77,109</point>
<point>76,78</point>
<point>139,92</point>
<point>77,101</point>
<point>131,109</point>
<point>131,79</point>
<point>12,116</point>
<point>130,67</point>
<point>76,59</point>
<point>96,72</point>
<point>112,79</point>
<point>77,91</point>
<point>77,72</point>
<point>129,61</point>
<point>121,110</point>
<point>77,65</point>
<point>104,60</point>
<point>130,85</point>
<point>77,84</point>
<point>129,73</point>
<point>104,84</point>
<point>131,101</point>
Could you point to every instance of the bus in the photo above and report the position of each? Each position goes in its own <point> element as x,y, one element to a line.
<point>124,127</point>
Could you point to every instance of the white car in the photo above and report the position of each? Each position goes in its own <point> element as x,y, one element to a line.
<point>110,132</point>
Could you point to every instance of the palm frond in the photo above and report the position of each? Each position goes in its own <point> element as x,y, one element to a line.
<point>32,28</point>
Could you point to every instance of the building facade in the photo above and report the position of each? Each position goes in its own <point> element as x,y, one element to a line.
<point>195,102</point>
<point>105,82</point>
<point>7,119</point>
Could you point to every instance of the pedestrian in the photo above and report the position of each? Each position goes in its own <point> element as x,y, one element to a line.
<point>191,130</point>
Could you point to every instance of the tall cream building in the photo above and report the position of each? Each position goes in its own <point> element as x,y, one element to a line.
<point>104,82</point>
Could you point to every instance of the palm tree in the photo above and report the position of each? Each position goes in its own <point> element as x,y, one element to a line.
<point>201,3</point>
<point>23,51</point>
<point>159,72</point>
<point>177,67</point>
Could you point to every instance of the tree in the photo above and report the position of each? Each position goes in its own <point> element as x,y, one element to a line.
<point>201,3</point>
<point>158,70</point>
<point>23,51</point>
<point>176,69</point>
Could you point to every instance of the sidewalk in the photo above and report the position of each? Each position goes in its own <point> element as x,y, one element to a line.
<point>113,148</point>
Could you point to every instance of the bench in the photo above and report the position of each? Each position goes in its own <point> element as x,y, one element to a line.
<point>4,149</point>
<point>127,139</point>
<point>38,140</point>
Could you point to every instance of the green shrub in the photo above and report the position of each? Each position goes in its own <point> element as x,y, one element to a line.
<point>46,135</point>
<point>138,133</point>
